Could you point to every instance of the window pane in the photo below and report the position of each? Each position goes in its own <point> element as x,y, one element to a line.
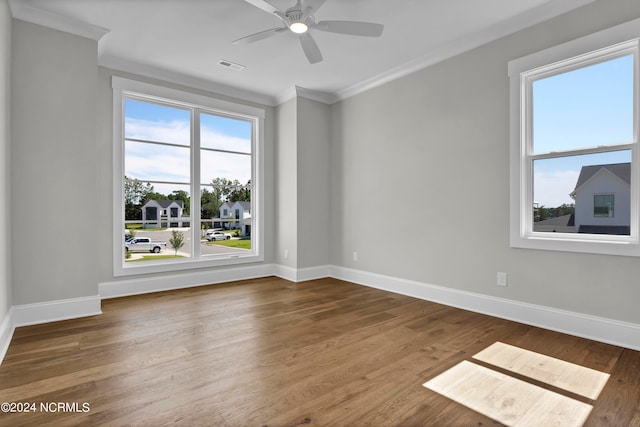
<point>226,220</point>
<point>148,161</point>
<point>224,133</point>
<point>230,166</point>
<point>154,122</point>
<point>587,107</point>
<point>568,194</point>
<point>155,213</point>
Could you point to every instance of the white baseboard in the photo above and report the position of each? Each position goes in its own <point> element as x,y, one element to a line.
<point>605,330</point>
<point>145,285</point>
<point>6,333</point>
<point>301,274</point>
<point>596,328</point>
<point>52,311</point>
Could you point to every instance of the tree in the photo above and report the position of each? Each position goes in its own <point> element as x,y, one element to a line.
<point>216,197</point>
<point>177,240</point>
<point>240,193</point>
<point>543,212</point>
<point>135,195</point>
<point>223,190</point>
<point>209,204</point>
<point>152,195</point>
<point>181,195</point>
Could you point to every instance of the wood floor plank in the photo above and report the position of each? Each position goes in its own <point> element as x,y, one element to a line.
<point>268,352</point>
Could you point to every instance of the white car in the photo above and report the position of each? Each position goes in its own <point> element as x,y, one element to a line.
<point>216,235</point>
<point>143,244</point>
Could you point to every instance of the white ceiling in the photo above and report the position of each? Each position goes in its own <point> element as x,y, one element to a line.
<point>183,40</point>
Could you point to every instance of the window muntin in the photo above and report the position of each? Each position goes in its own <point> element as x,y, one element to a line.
<point>132,141</point>
<point>536,153</point>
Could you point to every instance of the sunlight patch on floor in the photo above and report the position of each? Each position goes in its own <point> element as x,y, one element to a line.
<point>515,402</point>
<point>558,373</point>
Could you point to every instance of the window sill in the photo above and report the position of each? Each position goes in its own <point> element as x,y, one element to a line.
<point>605,245</point>
<point>165,266</point>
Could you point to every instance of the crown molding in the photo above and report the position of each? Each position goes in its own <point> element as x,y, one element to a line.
<point>286,95</point>
<point>22,10</point>
<point>313,95</point>
<point>25,12</point>
<point>456,47</point>
<point>185,80</point>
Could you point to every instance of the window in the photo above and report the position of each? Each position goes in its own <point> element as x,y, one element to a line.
<point>574,144</point>
<point>175,148</point>
<point>603,205</point>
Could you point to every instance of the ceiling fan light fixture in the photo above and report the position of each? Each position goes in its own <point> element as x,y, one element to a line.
<point>299,27</point>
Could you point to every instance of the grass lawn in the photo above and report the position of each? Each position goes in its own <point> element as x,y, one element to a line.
<point>234,243</point>
<point>154,257</point>
<point>137,227</point>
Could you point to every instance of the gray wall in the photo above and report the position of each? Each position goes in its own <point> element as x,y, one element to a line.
<point>426,159</point>
<point>313,198</point>
<point>5,203</point>
<point>286,183</point>
<point>53,164</point>
<point>302,171</point>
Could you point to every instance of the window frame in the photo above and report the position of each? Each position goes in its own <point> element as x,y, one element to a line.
<point>123,88</point>
<point>595,48</point>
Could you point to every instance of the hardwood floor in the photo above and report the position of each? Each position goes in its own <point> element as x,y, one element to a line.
<point>268,352</point>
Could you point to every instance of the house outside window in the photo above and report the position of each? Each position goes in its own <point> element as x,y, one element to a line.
<point>603,205</point>
<point>188,152</point>
<point>574,128</point>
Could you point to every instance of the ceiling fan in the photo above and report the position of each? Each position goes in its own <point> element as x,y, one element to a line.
<point>299,19</point>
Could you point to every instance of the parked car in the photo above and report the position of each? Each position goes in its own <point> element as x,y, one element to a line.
<point>143,244</point>
<point>213,235</point>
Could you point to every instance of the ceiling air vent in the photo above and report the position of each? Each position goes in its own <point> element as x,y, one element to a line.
<point>232,65</point>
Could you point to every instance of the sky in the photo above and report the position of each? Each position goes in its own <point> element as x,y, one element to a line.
<point>583,108</point>
<point>154,162</point>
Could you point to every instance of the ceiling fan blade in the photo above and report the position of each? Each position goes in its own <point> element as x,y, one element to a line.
<point>258,36</point>
<point>264,5</point>
<point>311,49</point>
<point>353,28</point>
<point>310,6</point>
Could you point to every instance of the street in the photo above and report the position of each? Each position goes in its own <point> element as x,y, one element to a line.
<point>205,247</point>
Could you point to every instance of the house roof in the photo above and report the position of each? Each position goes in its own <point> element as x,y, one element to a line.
<point>560,221</point>
<point>245,205</point>
<point>619,230</point>
<point>167,203</point>
<point>621,170</point>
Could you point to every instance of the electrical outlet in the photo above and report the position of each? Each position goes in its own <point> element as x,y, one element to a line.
<point>502,279</point>
<point>355,256</point>
<point>286,254</point>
